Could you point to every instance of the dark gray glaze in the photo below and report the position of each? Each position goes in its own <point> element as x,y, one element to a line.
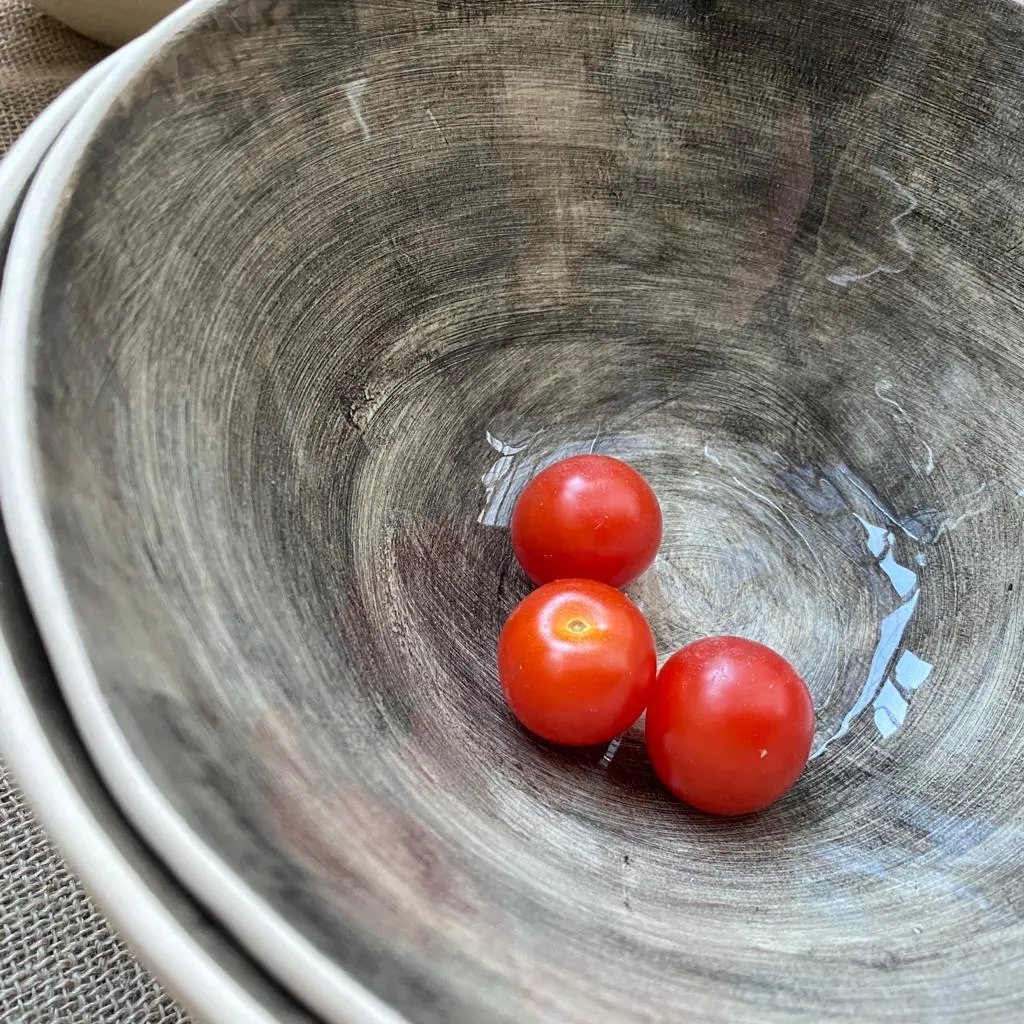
<point>335,278</point>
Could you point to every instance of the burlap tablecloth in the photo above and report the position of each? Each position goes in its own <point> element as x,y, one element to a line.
<point>59,962</point>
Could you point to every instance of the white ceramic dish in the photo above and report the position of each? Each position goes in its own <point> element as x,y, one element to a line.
<point>110,21</point>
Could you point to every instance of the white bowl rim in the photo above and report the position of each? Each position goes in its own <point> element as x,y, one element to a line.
<point>288,956</point>
<point>192,975</point>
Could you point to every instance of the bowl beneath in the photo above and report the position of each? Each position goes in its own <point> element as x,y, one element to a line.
<point>324,284</point>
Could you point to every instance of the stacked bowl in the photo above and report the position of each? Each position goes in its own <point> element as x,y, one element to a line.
<point>300,293</point>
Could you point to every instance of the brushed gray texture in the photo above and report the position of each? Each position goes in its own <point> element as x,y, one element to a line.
<point>334,278</point>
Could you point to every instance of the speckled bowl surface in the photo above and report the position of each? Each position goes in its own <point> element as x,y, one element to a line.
<point>326,282</point>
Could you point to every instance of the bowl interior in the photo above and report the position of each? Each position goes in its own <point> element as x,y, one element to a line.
<point>329,286</point>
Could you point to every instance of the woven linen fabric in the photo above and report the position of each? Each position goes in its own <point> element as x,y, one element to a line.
<point>59,961</point>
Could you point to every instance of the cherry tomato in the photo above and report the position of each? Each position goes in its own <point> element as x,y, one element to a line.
<point>729,725</point>
<point>576,661</point>
<point>587,517</point>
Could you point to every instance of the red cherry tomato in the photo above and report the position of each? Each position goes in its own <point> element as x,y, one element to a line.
<point>576,662</point>
<point>587,517</point>
<point>729,725</point>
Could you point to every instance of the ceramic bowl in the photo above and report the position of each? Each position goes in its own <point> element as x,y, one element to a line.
<point>309,297</point>
<point>110,21</point>
<point>205,969</point>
